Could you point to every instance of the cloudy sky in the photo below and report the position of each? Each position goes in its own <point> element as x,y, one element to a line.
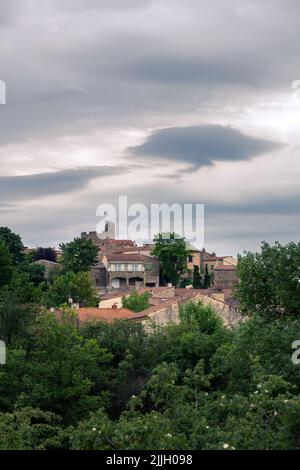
<point>189,101</point>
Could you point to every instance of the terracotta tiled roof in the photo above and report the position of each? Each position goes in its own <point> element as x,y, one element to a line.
<point>133,249</point>
<point>121,242</point>
<point>182,295</point>
<point>128,290</point>
<point>125,257</point>
<point>225,267</point>
<point>103,314</point>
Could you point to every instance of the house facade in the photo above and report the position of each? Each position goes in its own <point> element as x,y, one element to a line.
<point>131,270</point>
<point>225,279</point>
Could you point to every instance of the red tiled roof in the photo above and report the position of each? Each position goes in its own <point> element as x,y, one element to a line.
<point>225,267</point>
<point>121,242</point>
<point>103,314</point>
<point>181,295</point>
<point>125,257</point>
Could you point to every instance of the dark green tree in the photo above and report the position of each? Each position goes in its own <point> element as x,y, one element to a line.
<point>79,255</point>
<point>76,286</point>
<point>6,267</point>
<point>269,281</point>
<point>56,370</point>
<point>172,254</point>
<point>13,243</point>
<point>35,272</point>
<point>17,309</point>
<point>197,279</point>
<point>136,302</point>
<point>207,280</point>
<point>31,429</point>
<point>48,254</point>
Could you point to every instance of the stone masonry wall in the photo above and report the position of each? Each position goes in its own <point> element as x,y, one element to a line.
<point>169,310</point>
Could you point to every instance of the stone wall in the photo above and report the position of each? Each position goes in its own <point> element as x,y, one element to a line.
<point>169,310</point>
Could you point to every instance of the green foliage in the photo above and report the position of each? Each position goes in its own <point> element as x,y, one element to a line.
<point>207,280</point>
<point>197,280</point>
<point>136,302</point>
<point>133,431</point>
<point>18,305</point>
<point>270,281</point>
<point>30,429</point>
<point>35,272</point>
<point>55,370</point>
<point>44,253</point>
<point>134,355</point>
<point>6,268</point>
<point>79,255</point>
<point>201,315</point>
<point>202,279</point>
<point>75,286</point>
<point>13,243</point>
<point>258,337</point>
<point>191,385</point>
<point>172,254</point>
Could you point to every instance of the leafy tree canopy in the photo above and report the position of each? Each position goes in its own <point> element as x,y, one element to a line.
<point>270,281</point>
<point>79,255</point>
<point>13,243</point>
<point>6,267</point>
<point>172,254</point>
<point>48,254</point>
<point>76,286</point>
<point>136,302</point>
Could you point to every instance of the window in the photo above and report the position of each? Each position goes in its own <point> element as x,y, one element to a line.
<point>137,267</point>
<point>117,267</point>
<point>190,259</point>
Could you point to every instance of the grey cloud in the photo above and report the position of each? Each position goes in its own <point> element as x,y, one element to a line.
<point>10,11</point>
<point>212,71</point>
<point>265,205</point>
<point>73,73</point>
<point>229,227</point>
<point>203,145</point>
<point>99,4</point>
<point>14,188</point>
<point>73,67</point>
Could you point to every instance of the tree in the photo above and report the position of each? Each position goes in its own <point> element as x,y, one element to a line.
<point>17,308</point>
<point>30,429</point>
<point>79,255</point>
<point>48,254</point>
<point>19,302</point>
<point>197,280</point>
<point>207,281</point>
<point>13,243</point>
<point>56,370</point>
<point>136,302</point>
<point>6,268</point>
<point>133,431</point>
<point>172,254</point>
<point>269,281</point>
<point>77,286</point>
<point>35,272</point>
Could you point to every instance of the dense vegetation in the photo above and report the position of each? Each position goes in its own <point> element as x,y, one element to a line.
<point>136,302</point>
<point>172,253</point>
<point>193,385</point>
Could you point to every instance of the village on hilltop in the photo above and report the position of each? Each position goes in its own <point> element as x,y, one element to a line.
<point>124,267</point>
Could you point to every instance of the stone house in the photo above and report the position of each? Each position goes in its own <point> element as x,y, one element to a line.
<point>130,270</point>
<point>225,279</point>
<point>49,266</point>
